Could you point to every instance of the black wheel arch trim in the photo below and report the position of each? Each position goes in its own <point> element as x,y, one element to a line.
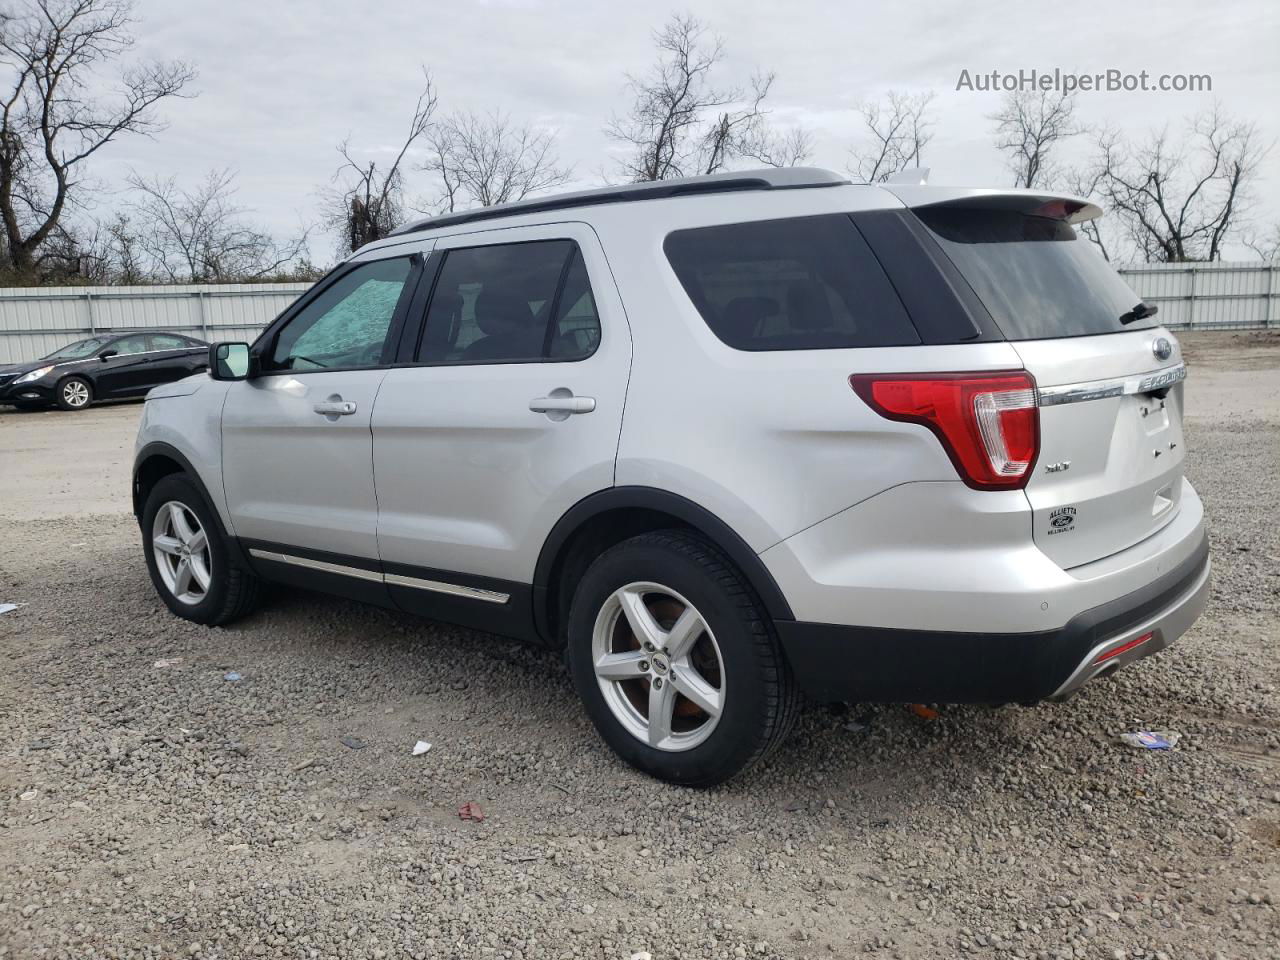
<point>158,448</point>
<point>719,533</point>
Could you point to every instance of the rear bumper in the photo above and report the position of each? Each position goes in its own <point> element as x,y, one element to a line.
<point>840,662</point>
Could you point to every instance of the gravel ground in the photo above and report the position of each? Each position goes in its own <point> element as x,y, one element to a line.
<point>151,808</point>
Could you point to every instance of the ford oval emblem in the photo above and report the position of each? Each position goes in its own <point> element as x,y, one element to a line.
<point>1162,348</point>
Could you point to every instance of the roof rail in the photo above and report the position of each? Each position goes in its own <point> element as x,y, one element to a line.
<point>770,178</point>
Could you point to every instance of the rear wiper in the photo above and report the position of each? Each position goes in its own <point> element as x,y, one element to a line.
<point>1140,312</point>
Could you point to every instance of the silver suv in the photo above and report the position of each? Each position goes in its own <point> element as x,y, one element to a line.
<point>723,440</point>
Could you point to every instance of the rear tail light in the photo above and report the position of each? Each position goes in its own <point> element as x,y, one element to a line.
<point>988,423</point>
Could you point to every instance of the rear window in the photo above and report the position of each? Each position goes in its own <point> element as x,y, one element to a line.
<point>1036,276</point>
<point>804,283</point>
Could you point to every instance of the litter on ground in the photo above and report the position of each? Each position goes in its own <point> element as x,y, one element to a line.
<point>1152,739</point>
<point>471,811</point>
<point>420,748</point>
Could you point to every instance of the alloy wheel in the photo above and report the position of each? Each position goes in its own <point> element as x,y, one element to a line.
<point>181,549</point>
<point>75,393</point>
<point>658,666</point>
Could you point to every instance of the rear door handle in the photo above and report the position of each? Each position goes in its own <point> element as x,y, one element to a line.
<point>334,408</point>
<point>564,405</point>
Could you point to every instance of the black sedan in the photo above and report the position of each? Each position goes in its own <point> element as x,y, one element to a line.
<point>105,367</point>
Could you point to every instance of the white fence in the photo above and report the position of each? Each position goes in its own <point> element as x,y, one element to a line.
<point>1201,296</point>
<point>37,320</point>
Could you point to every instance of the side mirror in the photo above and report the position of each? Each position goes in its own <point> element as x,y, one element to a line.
<point>106,355</point>
<point>229,361</point>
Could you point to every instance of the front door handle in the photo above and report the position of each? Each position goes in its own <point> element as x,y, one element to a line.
<point>336,407</point>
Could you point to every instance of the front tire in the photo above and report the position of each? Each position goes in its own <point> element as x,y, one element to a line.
<point>74,393</point>
<point>676,661</point>
<point>190,561</point>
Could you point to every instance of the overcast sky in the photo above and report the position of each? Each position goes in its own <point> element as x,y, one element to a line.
<point>281,83</point>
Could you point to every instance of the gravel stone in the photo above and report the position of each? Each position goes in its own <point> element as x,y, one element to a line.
<point>168,812</point>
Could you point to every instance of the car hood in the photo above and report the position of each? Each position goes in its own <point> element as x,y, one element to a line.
<point>179,388</point>
<point>29,365</point>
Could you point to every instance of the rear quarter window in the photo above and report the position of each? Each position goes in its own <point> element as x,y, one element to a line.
<point>803,283</point>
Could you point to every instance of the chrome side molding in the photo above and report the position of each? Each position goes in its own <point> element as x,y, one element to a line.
<point>439,586</point>
<point>1117,387</point>
<point>321,565</point>
<point>393,579</point>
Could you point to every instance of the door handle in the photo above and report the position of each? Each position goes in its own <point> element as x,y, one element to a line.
<point>562,404</point>
<point>336,407</point>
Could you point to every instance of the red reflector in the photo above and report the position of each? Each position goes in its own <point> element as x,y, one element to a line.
<point>1123,647</point>
<point>988,423</point>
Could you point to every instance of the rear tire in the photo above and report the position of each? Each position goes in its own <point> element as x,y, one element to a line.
<point>712,674</point>
<point>74,393</point>
<point>190,561</point>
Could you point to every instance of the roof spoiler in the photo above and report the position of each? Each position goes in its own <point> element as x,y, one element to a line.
<point>1056,206</point>
<point>918,176</point>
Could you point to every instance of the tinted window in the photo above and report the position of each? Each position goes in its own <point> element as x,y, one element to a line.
<point>576,332</point>
<point>74,351</point>
<point>798,284</point>
<point>346,326</point>
<point>165,341</point>
<point>128,345</point>
<point>1036,276</point>
<point>494,304</point>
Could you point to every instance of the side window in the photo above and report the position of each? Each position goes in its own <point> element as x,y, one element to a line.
<point>576,333</point>
<point>346,326</point>
<point>128,345</point>
<point>164,341</point>
<point>498,304</point>
<point>804,283</point>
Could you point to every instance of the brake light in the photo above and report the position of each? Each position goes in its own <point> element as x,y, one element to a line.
<point>988,423</point>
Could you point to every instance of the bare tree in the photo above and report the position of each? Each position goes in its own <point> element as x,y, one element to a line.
<point>198,236</point>
<point>789,148</point>
<point>123,257</point>
<point>104,252</point>
<point>898,129</point>
<point>730,134</point>
<point>52,121</point>
<point>483,160</point>
<point>681,121</point>
<point>367,201</point>
<point>1086,181</point>
<point>1182,198</point>
<point>1028,127</point>
<point>1266,245</point>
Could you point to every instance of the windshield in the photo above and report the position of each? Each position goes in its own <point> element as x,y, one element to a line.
<point>77,350</point>
<point>1037,277</point>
